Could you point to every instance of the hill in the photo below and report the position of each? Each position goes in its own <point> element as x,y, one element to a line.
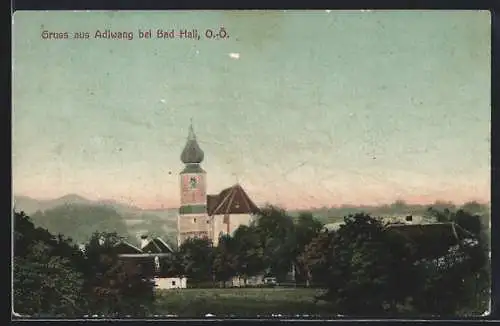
<point>76,216</point>
<point>31,205</point>
<point>80,221</point>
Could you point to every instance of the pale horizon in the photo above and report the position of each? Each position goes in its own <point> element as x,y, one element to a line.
<point>425,203</point>
<point>304,109</point>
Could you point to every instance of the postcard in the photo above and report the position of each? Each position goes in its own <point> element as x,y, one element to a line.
<point>251,164</point>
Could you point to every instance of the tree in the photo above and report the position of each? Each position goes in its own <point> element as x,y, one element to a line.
<point>114,286</point>
<point>171,265</point>
<point>248,252</point>
<point>448,285</point>
<point>196,256</point>
<point>306,229</point>
<point>366,275</point>
<point>440,216</point>
<point>313,262</point>
<point>276,232</point>
<point>459,280</point>
<point>46,281</point>
<point>473,207</point>
<point>225,263</point>
<point>46,285</point>
<point>52,276</point>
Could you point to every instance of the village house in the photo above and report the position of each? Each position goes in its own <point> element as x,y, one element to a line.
<point>433,239</point>
<point>149,257</point>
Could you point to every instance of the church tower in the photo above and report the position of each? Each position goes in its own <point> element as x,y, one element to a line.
<point>193,220</point>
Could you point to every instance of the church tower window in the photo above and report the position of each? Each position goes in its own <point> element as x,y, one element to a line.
<point>193,182</point>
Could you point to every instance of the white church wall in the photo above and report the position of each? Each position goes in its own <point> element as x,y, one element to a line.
<point>237,220</point>
<point>219,227</point>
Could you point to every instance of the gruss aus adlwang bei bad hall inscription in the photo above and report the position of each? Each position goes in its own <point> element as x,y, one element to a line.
<point>218,33</point>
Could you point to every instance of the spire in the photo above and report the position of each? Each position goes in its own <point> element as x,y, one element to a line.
<point>192,135</point>
<point>192,153</point>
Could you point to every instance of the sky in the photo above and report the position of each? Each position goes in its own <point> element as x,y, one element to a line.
<point>302,108</point>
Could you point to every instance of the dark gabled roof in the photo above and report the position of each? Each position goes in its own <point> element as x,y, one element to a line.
<point>441,230</point>
<point>232,200</point>
<point>434,238</point>
<point>124,247</point>
<point>157,245</point>
<point>212,202</point>
<point>163,245</point>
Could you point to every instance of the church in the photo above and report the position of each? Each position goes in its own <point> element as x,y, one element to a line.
<point>208,216</point>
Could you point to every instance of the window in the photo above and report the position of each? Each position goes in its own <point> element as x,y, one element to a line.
<point>173,283</point>
<point>194,220</point>
<point>208,221</point>
<point>193,182</point>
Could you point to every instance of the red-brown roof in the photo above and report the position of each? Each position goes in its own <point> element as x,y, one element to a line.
<point>232,200</point>
<point>212,203</point>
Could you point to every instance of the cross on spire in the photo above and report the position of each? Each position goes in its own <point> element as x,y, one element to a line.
<point>236,176</point>
<point>192,135</point>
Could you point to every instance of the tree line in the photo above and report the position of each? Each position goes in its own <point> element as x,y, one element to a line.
<point>366,267</point>
<point>363,268</point>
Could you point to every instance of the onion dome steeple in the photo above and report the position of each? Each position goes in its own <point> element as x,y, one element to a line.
<point>192,153</point>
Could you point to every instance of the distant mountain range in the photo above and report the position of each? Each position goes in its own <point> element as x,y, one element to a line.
<point>134,215</point>
<point>30,205</point>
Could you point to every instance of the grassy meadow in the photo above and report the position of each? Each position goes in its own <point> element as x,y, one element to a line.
<point>240,302</point>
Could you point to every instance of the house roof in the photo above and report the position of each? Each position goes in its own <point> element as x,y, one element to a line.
<point>124,247</point>
<point>232,200</point>
<point>441,230</point>
<point>432,239</point>
<point>157,245</point>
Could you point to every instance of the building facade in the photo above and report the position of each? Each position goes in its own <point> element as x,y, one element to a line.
<point>208,216</point>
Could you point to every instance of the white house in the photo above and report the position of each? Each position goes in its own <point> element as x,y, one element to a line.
<point>167,283</point>
<point>152,250</point>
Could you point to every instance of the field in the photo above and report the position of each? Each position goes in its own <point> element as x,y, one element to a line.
<point>240,302</point>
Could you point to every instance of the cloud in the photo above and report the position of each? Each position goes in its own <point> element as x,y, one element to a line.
<point>234,55</point>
